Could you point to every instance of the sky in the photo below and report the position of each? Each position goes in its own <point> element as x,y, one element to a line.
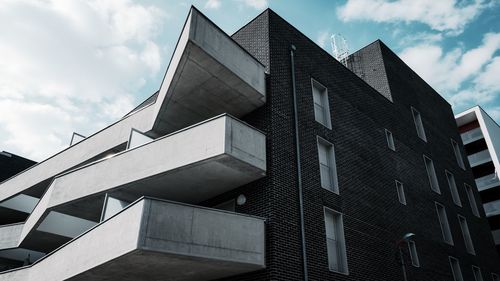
<point>79,65</point>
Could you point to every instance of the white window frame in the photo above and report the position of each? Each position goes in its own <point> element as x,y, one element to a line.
<point>464,227</point>
<point>390,140</point>
<point>401,192</point>
<point>472,200</point>
<point>342,253</point>
<point>431,175</point>
<point>457,276</point>
<point>458,154</point>
<point>324,106</point>
<point>444,224</point>
<point>332,165</point>
<point>419,125</point>
<point>452,184</point>
<point>476,271</point>
<point>412,248</point>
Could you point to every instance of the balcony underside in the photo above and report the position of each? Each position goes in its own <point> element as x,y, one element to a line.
<point>211,75</point>
<point>159,240</point>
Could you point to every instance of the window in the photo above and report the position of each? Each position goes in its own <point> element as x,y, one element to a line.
<point>477,273</point>
<point>455,269</point>
<point>321,107</point>
<point>472,199</point>
<point>413,253</point>
<point>458,154</point>
<point>328,170</point>
<point>466,234</point>
<point>453,188</point>
<point>495,277</point>
<point>418,124</point>
<point>335,242</point>
<point>443,222</point>
<point>401,192</point>
<point>390,140</point>
<point>431,174</point>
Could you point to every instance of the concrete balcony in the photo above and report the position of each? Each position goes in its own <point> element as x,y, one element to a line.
<point>479,158</point>
<point>492,208</point>
<point>209,74</point>
<point>487,182</point>
<point>472,136</point>
<point>191,165</point>
<point>156,239</point>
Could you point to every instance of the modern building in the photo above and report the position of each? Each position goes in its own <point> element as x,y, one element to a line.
<point>481,138</point>
<point>260,157</point>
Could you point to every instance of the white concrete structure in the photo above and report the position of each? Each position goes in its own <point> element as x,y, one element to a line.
<point>183,144</point>
<point>481,137</point>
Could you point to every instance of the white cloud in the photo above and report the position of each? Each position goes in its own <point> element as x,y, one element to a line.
<point>70,66</point>
<point>417,38</point>
<point>213,4</point>
<point>441,15</point>
<point>447,71</point>
<point>465,78</point>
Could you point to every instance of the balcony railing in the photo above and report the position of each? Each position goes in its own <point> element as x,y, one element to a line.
<point>472,135</point>
<point>487,182</point>
<point>479,158</point>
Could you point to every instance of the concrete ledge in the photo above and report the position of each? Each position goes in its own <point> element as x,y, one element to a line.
<point>209,74</point>
<point>156,238</point>
<point>191,166</point>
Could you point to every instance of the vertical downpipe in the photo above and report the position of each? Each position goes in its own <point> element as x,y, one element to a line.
<point>299,175</point>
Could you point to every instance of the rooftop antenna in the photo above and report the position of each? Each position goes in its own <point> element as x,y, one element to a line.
<point>339,48</point>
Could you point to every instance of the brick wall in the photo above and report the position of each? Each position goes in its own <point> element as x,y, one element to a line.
<point>373,217</point>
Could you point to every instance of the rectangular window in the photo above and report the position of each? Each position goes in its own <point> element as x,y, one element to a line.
<point>472,199</point>
<point>401,192</point>
<point>453,188</point>
<point>466,234</point>
<point>413,254</point>
<point>335,242</point>
<point>390,140</point>
<point>495,277</point>
<point>418,124</point>
<point>328,169</point>
<point>321,107</point>
<point>477,273</point>
<point>443,222</point>
<point>455,269</point>
<point>458,154</point>
<point>431,174</point>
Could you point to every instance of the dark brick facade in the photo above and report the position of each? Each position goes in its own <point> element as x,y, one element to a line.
<point>367,169</point>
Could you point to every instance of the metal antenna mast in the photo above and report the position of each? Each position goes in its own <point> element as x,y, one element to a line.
<point>339,48</point>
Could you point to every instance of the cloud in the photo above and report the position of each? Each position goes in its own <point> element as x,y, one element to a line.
<point>418,38</point>
<point>464,77</point>
<point>213,4</point>
<point>444,15</point>
<point>447,71</point>
<point>71,66</point>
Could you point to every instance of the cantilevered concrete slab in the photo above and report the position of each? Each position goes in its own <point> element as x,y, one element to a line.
<point>190,166</point>
<point>158,240</point>
<point>209,74</point>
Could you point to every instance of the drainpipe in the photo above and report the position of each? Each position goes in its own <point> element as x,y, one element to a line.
<point>299,175</point>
